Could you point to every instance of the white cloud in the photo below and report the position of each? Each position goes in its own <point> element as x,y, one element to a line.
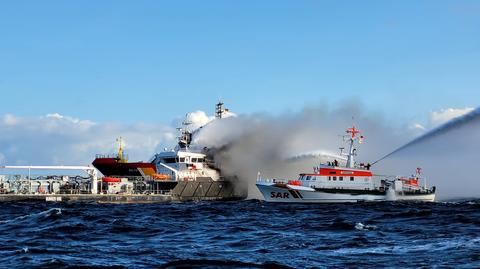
<point>437,118</point>
<point>55,116</point>
<point>443,116</point>
<point>9,119</point>
<point>417,127</point>
<point>59,139</point>
<point>198,119</point>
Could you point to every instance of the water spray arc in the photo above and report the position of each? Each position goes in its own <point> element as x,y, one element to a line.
<point>447,127</point>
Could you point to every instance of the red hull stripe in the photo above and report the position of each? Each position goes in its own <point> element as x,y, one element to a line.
<point>338,172</point>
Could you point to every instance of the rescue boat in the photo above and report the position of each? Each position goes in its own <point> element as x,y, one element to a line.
<point>334,182</point>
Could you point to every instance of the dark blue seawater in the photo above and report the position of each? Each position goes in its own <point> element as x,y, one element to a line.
<point>245,234</point>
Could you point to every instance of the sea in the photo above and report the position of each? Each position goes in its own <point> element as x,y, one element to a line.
<point>240,234</point>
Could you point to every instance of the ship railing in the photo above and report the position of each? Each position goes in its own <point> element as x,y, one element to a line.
<point>272,180</point>
<point>113,156</point>
<point>155,192</point>
<point>102,156</point>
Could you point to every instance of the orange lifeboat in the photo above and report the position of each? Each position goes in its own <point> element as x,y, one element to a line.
<point>410,181</point>
<point>160,177</point>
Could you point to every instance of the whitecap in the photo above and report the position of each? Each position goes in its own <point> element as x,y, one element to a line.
<point>362,227</point>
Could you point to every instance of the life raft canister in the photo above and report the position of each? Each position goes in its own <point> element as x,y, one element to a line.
<point>295,182</point>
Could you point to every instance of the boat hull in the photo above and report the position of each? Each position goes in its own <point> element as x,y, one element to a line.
<point>292,194</point>
<point>430,197</point>
<point>112,167</point>
<point>206,190</point>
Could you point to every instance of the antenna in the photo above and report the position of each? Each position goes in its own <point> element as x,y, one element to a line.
<point>354,135</point>
<point>219,109</point>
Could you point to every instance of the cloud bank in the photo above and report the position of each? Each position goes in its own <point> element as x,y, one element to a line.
<point>56,139</point>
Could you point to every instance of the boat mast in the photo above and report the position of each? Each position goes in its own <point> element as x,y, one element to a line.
<point>185,135</point>
<point>120,151</point>
<point>352,151</point>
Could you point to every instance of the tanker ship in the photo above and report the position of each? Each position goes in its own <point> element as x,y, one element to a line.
<point>118,165</point>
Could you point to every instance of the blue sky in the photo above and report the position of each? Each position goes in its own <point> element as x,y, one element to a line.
<point>152,61</point>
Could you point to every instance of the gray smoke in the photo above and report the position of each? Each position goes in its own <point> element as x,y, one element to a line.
<point>284,146</point>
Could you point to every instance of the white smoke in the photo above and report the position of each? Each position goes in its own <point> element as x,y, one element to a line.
<point>269,144</point>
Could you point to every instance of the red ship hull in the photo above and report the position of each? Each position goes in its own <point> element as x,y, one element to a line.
<point>112,167</point>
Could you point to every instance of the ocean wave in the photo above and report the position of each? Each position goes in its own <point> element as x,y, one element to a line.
<point>205,263</point>
<point>414,246</point>
<point>46,213</point>
<point>239,234</point>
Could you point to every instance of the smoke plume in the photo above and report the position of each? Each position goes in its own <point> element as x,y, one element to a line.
<point>284,146</point>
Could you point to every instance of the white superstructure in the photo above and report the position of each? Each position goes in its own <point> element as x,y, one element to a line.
<point>185,163</point>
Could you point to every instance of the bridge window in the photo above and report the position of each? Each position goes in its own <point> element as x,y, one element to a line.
<point>194,160</point>
<point>182,160</point>
<point>169,160</point>
<point>351,178</point>
<point>329,178</point>
<point>341,178</point>
<point>334,178</point>
<point>309,177</point>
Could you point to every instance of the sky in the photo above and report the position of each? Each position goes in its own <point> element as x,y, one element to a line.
<point>152,61</point>
<point>106,68</point>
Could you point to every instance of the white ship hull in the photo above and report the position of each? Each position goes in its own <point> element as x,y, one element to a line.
<point>299,194</point>
<point>399,196</point>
